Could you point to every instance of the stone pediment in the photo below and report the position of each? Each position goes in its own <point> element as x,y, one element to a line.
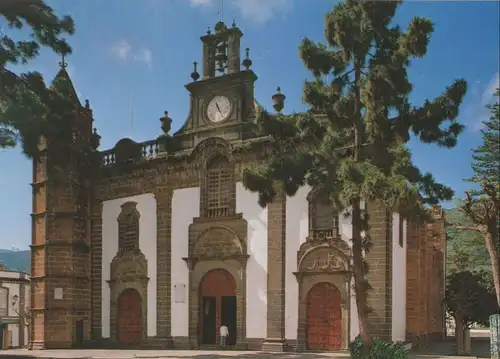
<point>217,242</point>
<point>323,259</point>
<point>128,266</point>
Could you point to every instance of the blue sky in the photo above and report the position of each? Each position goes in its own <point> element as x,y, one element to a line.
<point>132,58</point>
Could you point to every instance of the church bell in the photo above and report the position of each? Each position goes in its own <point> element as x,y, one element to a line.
<point>221,55</point>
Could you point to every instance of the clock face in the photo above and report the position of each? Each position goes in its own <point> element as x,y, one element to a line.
<point>218,109</point>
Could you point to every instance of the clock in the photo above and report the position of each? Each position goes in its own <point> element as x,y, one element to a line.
<point>218,109</point>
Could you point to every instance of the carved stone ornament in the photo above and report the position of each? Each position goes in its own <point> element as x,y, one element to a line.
<point>323,259</point>
<point>217,242</point>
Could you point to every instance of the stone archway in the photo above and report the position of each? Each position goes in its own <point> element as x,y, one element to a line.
<point>217,306</point>
<point>129,318</point>
<point>323,271</point>
<point>324,317</point>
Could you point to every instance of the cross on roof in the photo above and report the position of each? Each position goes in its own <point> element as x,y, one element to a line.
<point>63,62</point>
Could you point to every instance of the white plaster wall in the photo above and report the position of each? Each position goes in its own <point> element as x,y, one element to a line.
<point>146,205</point>
<point>185,206</point>
<point>256,281</point>
<point>398,281</point>
<point>12,308</point>
<point>297,230</point>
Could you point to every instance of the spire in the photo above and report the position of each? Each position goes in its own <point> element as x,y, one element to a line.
<point>63,82</point>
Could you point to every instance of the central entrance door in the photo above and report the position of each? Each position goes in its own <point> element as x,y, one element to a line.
<point>324,317</point>
<point>217,306</point>
<point>129,318</point>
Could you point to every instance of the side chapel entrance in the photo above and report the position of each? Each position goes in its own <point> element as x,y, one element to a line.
<point>324,317</point>
<point>129,317</point>
<point>217,306</point>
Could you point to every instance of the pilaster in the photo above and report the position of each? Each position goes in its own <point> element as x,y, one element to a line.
<point>276,233</point>
<point>163,197</point>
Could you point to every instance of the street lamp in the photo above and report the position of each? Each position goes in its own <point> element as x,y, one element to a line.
<point>15,298</point>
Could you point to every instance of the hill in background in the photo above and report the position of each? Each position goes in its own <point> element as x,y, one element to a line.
<point>15,260</point>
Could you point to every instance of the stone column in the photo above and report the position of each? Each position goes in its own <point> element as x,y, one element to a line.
<point>379,276</point>
<point>276,226</point>
<point>163,197</point>
<point>96,269</point>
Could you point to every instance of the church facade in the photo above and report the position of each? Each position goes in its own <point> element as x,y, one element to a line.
<point>159,243</point>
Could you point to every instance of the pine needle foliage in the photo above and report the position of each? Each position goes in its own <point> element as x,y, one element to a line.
<point>352,140</point>
<point>28,107</point>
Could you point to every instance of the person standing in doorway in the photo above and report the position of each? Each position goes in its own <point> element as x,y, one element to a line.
<point>224,333</point>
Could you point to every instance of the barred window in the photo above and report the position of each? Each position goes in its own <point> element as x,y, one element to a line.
<point>128,227</point>
<point>323,217</point>
<point>219,187</point>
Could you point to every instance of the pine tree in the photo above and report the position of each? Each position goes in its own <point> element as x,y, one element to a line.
<point>486,157</point>
<point>351,142</point>
<point>25,100</point>
<point>482,207</point>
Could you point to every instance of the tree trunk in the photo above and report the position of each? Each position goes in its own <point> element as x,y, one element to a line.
<point>359,277</point>
<point>459,335</point>
<point>495,264</point>
<point>360,285</point>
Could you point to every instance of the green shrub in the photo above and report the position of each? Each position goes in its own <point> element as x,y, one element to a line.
<point>379,350</point>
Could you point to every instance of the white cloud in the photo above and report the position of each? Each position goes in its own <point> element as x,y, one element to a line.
<point>144,55</point>
<point>490,90</point>
<point>476,112</point>
<point>259,11</point>
<point>262,10</point>
<point>121,49</point>
<point>201,2</point>
<point>124,51</point>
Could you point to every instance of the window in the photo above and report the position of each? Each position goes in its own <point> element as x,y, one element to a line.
<point>401,230</point>
<point>4,301</point>
<point>128,227</point>
<point>324,219</point>
<point>219,188</point>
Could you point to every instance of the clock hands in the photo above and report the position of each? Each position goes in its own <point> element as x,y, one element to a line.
<point>218,108</point>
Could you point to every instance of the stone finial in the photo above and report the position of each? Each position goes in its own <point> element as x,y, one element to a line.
<point>195,75</point>
<point>87,104</point>
<point>278,100</point>
<point>166,123</point>
<point>247,62</point>
<point>95,140</point>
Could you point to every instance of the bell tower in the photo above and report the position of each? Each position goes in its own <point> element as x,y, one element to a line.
<point>222,102</point>
<point>221,50</point>
<point>60,249</point>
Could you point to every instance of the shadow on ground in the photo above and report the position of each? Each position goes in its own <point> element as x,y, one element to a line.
<point>480,347</point>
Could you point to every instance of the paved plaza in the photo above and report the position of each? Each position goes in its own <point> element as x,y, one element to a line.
<point>433,353</point>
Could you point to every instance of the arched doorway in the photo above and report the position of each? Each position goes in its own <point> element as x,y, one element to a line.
<point>129,317</point>
<point>324,317</point>
<point>217,306</point>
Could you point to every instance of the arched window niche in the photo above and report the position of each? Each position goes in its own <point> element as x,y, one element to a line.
<point>323,217</point>
<point>219,188</point>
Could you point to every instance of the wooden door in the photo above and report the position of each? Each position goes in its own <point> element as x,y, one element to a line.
<point>217,283</point>
<point>324,318</point>
<point>129,318</point>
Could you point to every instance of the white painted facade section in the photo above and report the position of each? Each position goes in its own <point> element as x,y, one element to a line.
<point>256,280</point>
<point>398,281</point>
<point>297,230</point>
<point>146,205</point>
<point>9,292</point>
<point>185,207</point>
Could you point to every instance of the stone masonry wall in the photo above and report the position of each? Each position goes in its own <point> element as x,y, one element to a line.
<point>425,279</point>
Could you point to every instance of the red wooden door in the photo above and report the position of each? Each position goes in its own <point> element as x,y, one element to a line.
<point>324,318</point>
<point>129,317</point>
<point>217,283</point>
